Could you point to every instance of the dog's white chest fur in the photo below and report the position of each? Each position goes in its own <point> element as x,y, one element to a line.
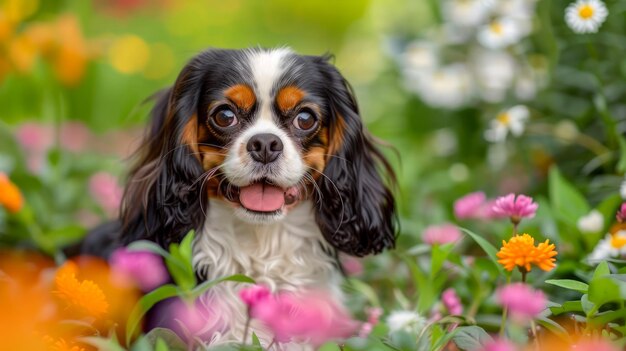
<point>288,255</point>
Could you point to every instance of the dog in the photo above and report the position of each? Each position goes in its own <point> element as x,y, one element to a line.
<point>264,154</point>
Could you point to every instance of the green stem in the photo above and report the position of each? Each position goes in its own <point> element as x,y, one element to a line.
<point>504,312</point>
<point>245,329</point>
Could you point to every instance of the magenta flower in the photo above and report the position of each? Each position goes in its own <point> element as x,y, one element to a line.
<point>73,136</point>
<point>311,317</point>
<point>621,214</point>
<point>499,345</point>
<point>469,206</point>
<point>522,301</point>
<point>441,234</point>
<point>106,191</point>
<point>351,265</point>
<point>35,137</point>
<point>452,302</point>
<point>254,295</point>
<point>515,208</point>
<point>143,268</point>
<point>192,321</point>
<point>373,317</point>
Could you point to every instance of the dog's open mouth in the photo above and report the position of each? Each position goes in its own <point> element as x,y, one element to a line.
<point>262,196</point>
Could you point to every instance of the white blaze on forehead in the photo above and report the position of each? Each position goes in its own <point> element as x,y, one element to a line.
<point>267,67</point>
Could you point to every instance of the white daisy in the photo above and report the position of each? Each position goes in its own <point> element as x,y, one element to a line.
<point>612,246</point>
<point>512,120</point>
<point>409,321</point>
<point>622,189</point>
<point>586,16</point>
<point>591,223</point>
<point>446,87</point>
<point>465,13</point>
<point>420,56</point>
<point>499,34</point>
<point>495,72</point>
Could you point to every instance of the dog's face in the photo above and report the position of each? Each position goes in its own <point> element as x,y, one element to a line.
<point>262,130</point>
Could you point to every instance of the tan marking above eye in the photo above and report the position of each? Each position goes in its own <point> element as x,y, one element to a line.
<point>242,95</point>
<point>289,97</point>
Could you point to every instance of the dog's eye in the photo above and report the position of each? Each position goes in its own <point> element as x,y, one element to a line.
<point>225,118</point>
<point>304,121</point>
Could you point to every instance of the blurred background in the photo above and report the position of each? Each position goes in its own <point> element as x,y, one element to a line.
<point>473,95</point>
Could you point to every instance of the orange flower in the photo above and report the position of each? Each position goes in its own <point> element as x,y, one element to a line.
<point>60,345</point>
<point>85,296</point>
<point>10,196</point>
<point>521,251</point>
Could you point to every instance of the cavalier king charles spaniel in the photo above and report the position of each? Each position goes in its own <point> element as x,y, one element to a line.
<point>264,154</point>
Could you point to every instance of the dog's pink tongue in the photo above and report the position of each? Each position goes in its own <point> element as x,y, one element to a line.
<point>262,197</point>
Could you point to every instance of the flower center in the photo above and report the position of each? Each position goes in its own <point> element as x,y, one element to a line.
<point>504,118</point>
<point>585,11</point>
<point>618,241</point>
<point>496,27</point>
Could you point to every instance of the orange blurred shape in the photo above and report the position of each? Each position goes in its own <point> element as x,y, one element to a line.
<point>70,57</point>
<point>10,196</point>
<point>23,53</point>
<point>48,308</point>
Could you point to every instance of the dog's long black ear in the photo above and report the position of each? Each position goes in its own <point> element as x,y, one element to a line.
<point>162,201</point>
<point>357,214</point>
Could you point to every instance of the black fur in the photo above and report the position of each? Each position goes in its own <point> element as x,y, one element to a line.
<point>162,202</point>
<point>358,211</point>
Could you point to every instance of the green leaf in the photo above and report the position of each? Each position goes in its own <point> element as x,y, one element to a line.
<point>569,306</point>
<point>145,245</point>
<point>186,246</point>
<point>471,338</point>
<point>366,291</point>
<point>167,336</point>
<point>146,303</point>
<point>180,268</point>
<point>621,165</point>
<point>255,340</point>
<point>587,305</point>
<point>601,270</point>
<point>603,290</point>
<point>141,344</point>
<point>489,249</point>
<point>439,255</point>
<point>100,343</point>
<point>569,284</point>
<point>568,204</point>
<point>161,345</point>
<point>202,288</point>
<point>330,346</point>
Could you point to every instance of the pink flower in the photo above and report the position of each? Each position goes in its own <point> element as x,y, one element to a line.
<point>106,191</point>
<point>469,205</point>
<point>144,268</point>
<point>621,214</point>
<point>311,317</point>
<point>499,345</point>
<point>198,320</point>
<point>452,302</point>
<point>594,345</point>
<point>74,136</point>
<point>516,208</point>
<point>522,301</point>
<point>254,295</point>
<point>351,265</point>
<point>441,234</point>
<point>373,317</point>
<point>34,137</point>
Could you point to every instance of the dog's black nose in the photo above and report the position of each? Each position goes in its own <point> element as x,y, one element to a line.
<point>265,147</point>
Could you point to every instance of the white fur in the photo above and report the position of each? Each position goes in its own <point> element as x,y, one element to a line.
<point>289,255</point>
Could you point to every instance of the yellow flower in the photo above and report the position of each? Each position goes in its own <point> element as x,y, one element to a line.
<point>85,296</point>
<point>521,251</point>
<point>10,196</point>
